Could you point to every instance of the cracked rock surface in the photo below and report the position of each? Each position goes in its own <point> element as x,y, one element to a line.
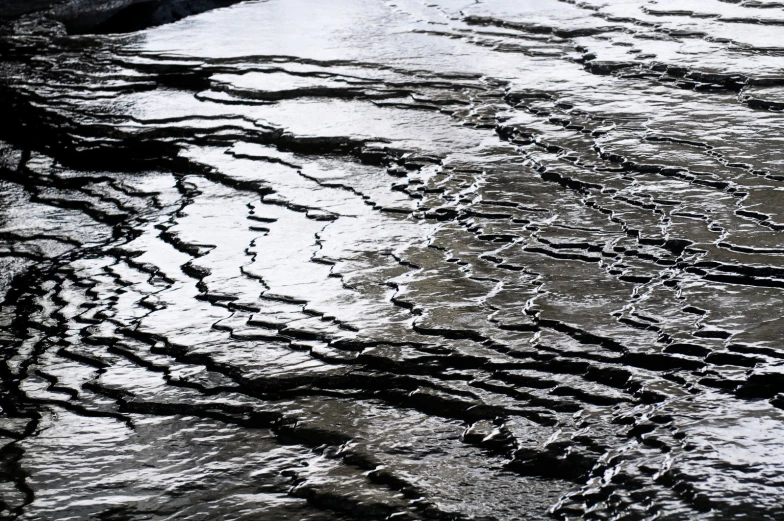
<point>399,260</point>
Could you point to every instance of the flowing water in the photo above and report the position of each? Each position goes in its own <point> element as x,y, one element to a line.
<point>407,259</point>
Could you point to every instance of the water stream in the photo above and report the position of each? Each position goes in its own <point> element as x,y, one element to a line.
<point>365,259</point>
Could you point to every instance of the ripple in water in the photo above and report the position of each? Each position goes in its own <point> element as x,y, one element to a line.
<point>395,260</point>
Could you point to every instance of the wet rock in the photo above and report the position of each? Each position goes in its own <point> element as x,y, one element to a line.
<point>368,269</point>
<point>121,16</point>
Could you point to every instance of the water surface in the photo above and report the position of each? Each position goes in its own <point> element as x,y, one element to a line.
<point>357,259</point>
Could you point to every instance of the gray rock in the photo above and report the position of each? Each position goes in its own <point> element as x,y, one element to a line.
<point>110,16</point>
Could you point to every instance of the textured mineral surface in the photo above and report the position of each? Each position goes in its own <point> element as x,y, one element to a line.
<point>365,259</point>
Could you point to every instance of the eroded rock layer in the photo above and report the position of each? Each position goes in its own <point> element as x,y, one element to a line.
<point>395,260</point>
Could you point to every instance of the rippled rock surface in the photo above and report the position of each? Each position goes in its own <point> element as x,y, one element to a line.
<point>356,260</point>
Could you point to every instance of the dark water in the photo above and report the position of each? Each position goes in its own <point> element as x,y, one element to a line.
<point>298,260</point>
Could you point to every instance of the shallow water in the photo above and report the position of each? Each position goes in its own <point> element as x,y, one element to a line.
<point>396,260</point>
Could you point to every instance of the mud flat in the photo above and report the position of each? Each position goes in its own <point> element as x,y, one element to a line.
<point>392,260</point>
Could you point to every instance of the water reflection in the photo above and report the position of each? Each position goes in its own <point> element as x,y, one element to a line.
<point>403,260</point>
